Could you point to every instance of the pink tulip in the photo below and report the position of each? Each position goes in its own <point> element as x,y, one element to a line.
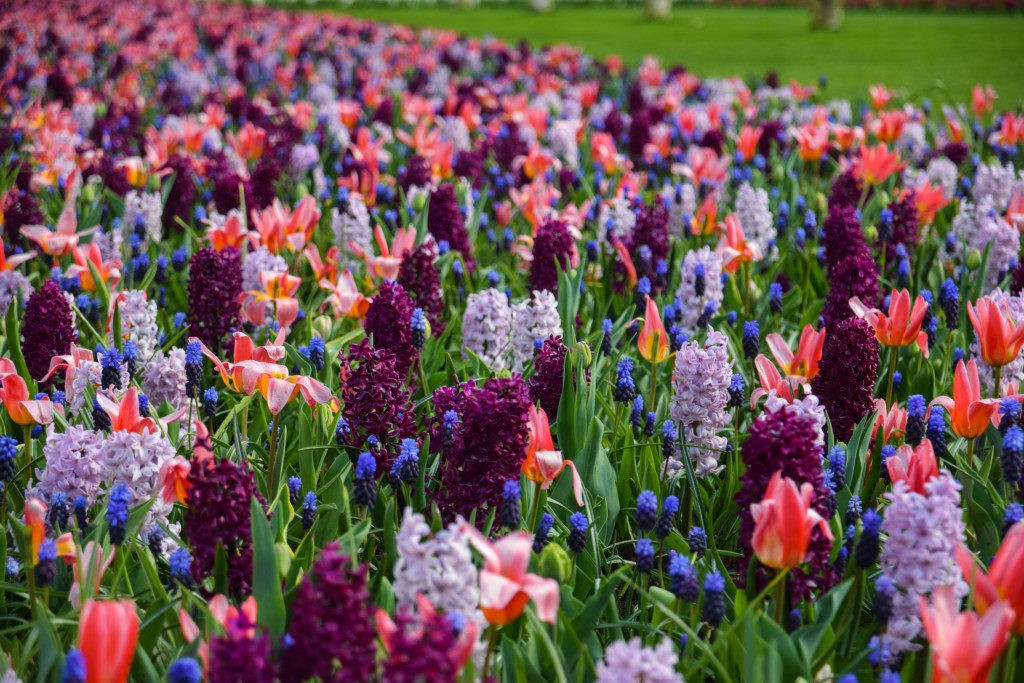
<point>964,646</point>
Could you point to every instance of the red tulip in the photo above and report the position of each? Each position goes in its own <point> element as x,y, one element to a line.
<point>174,479</point>
<point>902,327</point>
<point>653,339</point>
<point>23,410</point>
<point>35,520</point>
<point>1005,577</point>
<point>543,463</point>
<point>875,164</point>
<point>971,414</point>
<point>783,522</point>
<point>771,379</point>
<point>803,364</point>
<point>107,633</point>
<point>505,585</point>
<point>915,466</point>
<point>999,335</point>
<point>964,647</point>
<point>892,420</point>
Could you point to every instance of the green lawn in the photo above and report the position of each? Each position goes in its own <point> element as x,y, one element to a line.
<point>911,50</point>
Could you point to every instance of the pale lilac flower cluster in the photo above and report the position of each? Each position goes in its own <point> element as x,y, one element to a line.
<point>533,319</point>
<point>487,326</point>
<point>73,466</point>
<point>302,158</point>
<point>163,379</point>
<point>700,384</point>
<point>631,662</point>
<point>699,286</point>
<point>755,216</point>
<point>136,460</point>
<point>994,185</point>
<point>980,226</point>
<point>439,567</point>
<point>681,202</point>
<point>145,210</point>
<point>1014,370</point>
<point>351,223</point>
<point>922,532</point>
<point>615,217</point>
<point>940,172</point>
<point>257,261</point>
<point>562,141</point>
<point>138,321</point>
<point>11,284</point>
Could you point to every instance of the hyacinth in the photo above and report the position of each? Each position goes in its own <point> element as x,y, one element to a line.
<point>73,465</point>
<point>548,369</point>
<point>181,196</point>
<point>350,223</point>
<point>388,322</point>
<point>488,444</point>
<point>138,321</point>
<point>143,215</point>
<point>437,566</point>
<point>922,533</point>
<point>164,379</point>
<point>487,327</point>
<point>632,662</point>
<point>649,240</point>
<point>48,328</point>
<point>905,229</point>
<point>1014,370</point>
<point>12,285</point>
<point>375,401</point>
<point>846,190</point>
<point>981,227</point>
<point>841,234</point>
<point>553,249</point>
<point>20,209</point>
<point>700,383</point>
<point>418,276</point>
<point>699,287</point>
<point>533,319</point>
<point>681,202</point>
<point>257,261</point>
<point>786,440</point>
<point>852,271</point>
<point>845,383</point>
<point>445,223</point>
<point>217,511</point>
<point>994,185</point>
<point>136,460</point>
<point>616,218</point>
<point>755,216</point>
<point>332,627</point>
<point>420,650</point>
<point>239,656</point>
<point>214,285</point>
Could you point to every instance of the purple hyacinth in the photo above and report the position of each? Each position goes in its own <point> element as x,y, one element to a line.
<point>553,249</point>
<point>47,330</point>
<point>548,367</point>
<point>388,320</point>
<point>445,223</point>
<point>214,285</point>
<point>418,276</point>
<point>845,382</point>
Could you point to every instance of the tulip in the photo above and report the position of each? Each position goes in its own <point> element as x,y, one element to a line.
<point>653,339</point>
<point>804,363</point>
<point>88,565</point>
<point>1005,577</point>
<point>61,241</point>
<point>231,234</point>
<point>35,521</point>
<point>963,647</point>
<point>174,479</point>
<point>915,466</point>
<point>812,142</point>
<point>505,585</point>
<point>124,414</point>
<point>108,631</point>
<point>279,227</point>
<point>109,271</point>
<point>902,326</point>
<point>875,164</point>
<point>891,419</point>
<point>244,350</point>
<point>970,413</point>
<point>735,248</point>
<point>543,463</point>
<point>325,267</point>
<point>928,200</point>
<point>999,336</point>
<point>746,143</point>
<point>388,264</point>
<point>880,95</point>
<point>23,410</point>
<point>345,296</point>
<point>278,289</point>
<point>627,262</point>
<point>248,142</point>
<point>772,380</point>
<point>783,522</point>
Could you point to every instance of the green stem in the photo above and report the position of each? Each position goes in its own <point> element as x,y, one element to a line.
<point>780,603</point>
<point>654,376</point>
<point>893,358</point>
<point>491,641</point>
<point>535,508</point>
<point>272,459</point>
<point>28,456</point>
<point>997,390</point>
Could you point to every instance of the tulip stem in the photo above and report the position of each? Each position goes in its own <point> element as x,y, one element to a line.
<point>534,508</point>
<point>780,602</point>
<point>28,456</point>
<point>654,377</point>
<point>491,641</point>
<point>997,374</point>
<point>893,358</point>
<point>272,460</point>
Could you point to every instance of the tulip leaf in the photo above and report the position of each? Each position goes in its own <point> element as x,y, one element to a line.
<point>266,580</point>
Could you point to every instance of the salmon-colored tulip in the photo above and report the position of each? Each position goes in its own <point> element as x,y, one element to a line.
<point>783,522</point>
<point>124,414</point>
<point>880,95</point>
<point>999,335</point>
<point>627,263</point>
<point>875,164</point>
<point>231,234</point>
<point>772,380</point>
<point>88,564</point>
<point>35,520</point>
<point>14,260</point>
<point>109,271</point>
<point>279,289</point>
<point>61,241</point>
<point>892,420</point>
<point>505,585</point>
<point>108,631</point>
<point>543,463</point>
<point>174,482</point>
<point>970,413</point>
<point>746,142</point>
<point>812,142</point>
<point>915,466</point>
<point>1005,577</point>
<point>964,647</point>
<point>928,200</point>
<point>324,267</point>
<point>390,260</point>
<point>734,248</point>
<point>653,339</point>
<point>248,143</point>
<point>345,297</point>
<point>244,350</point>
<point>23,410</point>
<point>804,363</point>
<point>279,227</point>
<point>902,326</point>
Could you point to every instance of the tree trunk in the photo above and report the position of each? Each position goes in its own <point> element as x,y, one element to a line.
<point>826,14</point>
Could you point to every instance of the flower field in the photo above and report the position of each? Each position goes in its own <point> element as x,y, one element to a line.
<point>334,350</point>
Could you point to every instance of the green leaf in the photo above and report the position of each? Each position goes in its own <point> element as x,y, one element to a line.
<point>266,581</point>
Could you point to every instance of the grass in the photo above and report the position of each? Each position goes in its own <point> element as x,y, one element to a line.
<point>932,55</point>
